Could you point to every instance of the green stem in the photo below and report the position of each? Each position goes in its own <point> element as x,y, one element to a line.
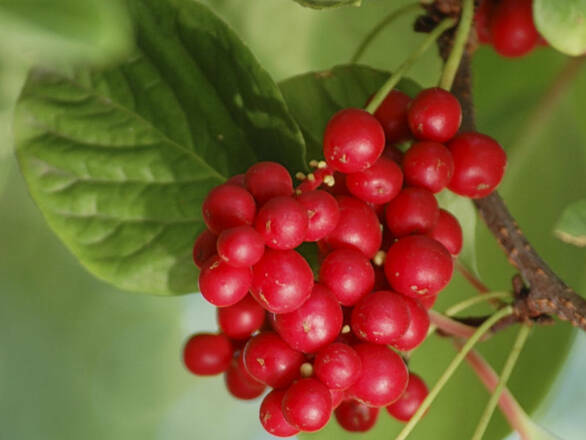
<point>504,377</point>
<point>486,325</point>
<point>457,308</point>
<point>379,27</point>
<point>460,40</point>
<point>398,74</point>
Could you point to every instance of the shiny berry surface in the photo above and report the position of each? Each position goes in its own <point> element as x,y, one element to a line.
<point>241,246</point>
<point>354,416</point>
<point>413,211</point>
<point>270,360</point>
<point>448,232</point>
<point>223,285</point>
<point>206,354</point>
<point>266,180</point>
<point>392,115</point>
<point>282,222</point>
<point>227,206</point>
<point>482,18</point>
<point>512,28</point>
<point>204,247</point>
<point>378,184</point>
<point>271,415</point>
<point>307,405</point>
<point>416,392</point>
<point>418,266</point>
<point>418,326</point>
<point>241,384</point>
<point>428,165</point>
<point>337,366</point>
<point>242,319</point>
<point>434,115</point>
<point>282,281</point>
<point>353,140</point>
<point>322,211</point>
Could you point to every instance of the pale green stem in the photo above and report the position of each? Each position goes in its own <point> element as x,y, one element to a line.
<point>486,325</point>
<point>378,98</point>
<point>379,27</point>
<point>457,308</point>
<point>504,377</point>
<point>460,40</point>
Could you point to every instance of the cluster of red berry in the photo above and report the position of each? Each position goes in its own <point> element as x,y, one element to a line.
<point>326,345</point>
<point>508,26</point>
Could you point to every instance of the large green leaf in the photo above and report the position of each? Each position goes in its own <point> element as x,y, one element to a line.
<point>561,22</point>
<point>119,160</point>
<point>571,226</point>
<point>322,4</point>
<point>58,30</point>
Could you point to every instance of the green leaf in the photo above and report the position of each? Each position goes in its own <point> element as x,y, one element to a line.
<point>314,97</point>
<point>65,30</point>
<point>323,4</point>
<point>119,160</point>
<point>562,24</point>
<point>571,227</point>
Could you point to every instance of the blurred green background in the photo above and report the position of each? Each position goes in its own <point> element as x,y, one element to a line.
<point>79,359</point>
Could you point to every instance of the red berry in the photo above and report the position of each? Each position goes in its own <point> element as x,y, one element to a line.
<point>241,246</point>
<point>338,366</point>
<point>271,361</point>
<point>418,326</point>
<point>380,317</point>
<point>353,140</point>
<point>337,396</point>
<point>427,301</point>
<point>242,319</point>
<point>322,211</point>
<point>206,354</point>
<point>223,285</point>
<point>282,281</point>
<point>358,228</point>
<point>435,115</point>
<point>378,184</point>
<point>307,405</point>
<point>266,180</point>
<point>479,164</point>
<point>416,392</point>
<point>448,232</point>
<point>313,325</point>
<point>227,206</point>
<point>512,28</point>
<point>348,274</point>
<point>392,115</point>
<point>271,415</point>
<point>413,211</point>
<point>393,153</point>
<point>354,416</point>
<point>418,266</point>
<point>204,247</point>
<point>282,222</point>
<point>482,19</point>
<point>384,376</point>
<point>241,384</point>
<point>428,165</point>
<point>238,180</point>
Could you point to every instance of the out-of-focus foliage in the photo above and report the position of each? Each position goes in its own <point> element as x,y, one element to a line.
<point>562,24</point>
<point>571,226</point>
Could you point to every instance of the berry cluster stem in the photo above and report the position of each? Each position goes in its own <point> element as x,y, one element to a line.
<point>451,370</point>
<point>505,374</point>
<point>394,79</point>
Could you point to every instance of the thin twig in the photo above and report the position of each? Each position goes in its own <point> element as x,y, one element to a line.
<point>470,277</point>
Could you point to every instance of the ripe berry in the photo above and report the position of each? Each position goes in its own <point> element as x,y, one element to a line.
<point>322,211</point>
<point>418,266</point>
<point>512,28</point>
<point>241,246</point>
<point>392,115</point>
<point>337,396</point>
<point>358,228</point>
<point>313,325</point>
<point>307,405</point>
<point>337,366</point>
<point>380,317</point>
<point>206,354</point>
<point>448,232</point>
<point>428,165</point>
<point>266,180</point>
<point>434,115</point>
<point>238,180</point>
<point>227,206</point>
<point>271,415</point>
<point>282,222</point>
<point>281,281</point>
<point>414,210</point>
<point>353,140</point>
<point>241,384</point>
<point>418,326</point>
<point>271,361</point>
<point>393,153</point>
<point>354,416</point>
<point>416,392</point>
<point>204,247</point>
<point>384,376</point>
<point>479,164</point>
<point>482,19</point>
<point>378,184</point>
<point>427,301</point>
<point>348,274</point>
<point>223,285</point>
<point>242,319</point>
